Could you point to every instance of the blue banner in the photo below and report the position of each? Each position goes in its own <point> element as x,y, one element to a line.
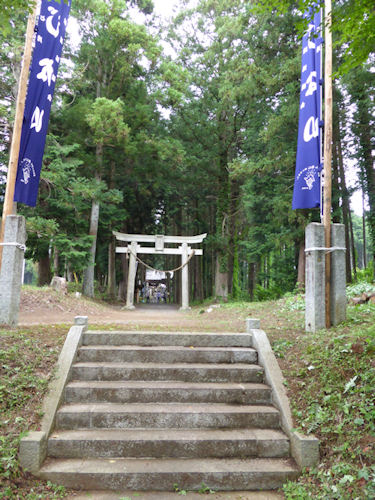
<point>49,38</point>
<point>306,192</point>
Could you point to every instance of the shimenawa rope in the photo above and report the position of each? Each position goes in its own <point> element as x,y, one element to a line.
<point>161,270</point>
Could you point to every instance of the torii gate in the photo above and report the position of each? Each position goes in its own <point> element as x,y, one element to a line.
<point>159,241</point>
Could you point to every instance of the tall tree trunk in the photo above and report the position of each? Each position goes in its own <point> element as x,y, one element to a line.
<point>111,288</point>
<point>336,219</point>
<point>222,224</point>
<point>55,262</point>
<point>364,230</point>
<point>368,173</point>
<point>252,279</point>
<point>301,264</point>
<point>345,208</point>
<point>44,271</point>
<point>177,280</point>
<point>88,276</point>
<point>199,278</point>
<point>354,264</point>
<point>221,263</point>
<point>112,269</point>
<point>221,280</point>
<point>233,262</point>
<point>124,277</point>
<point>360,87</point>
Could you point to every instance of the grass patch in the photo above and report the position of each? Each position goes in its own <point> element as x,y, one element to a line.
<point>331,378</point>
<point>27,359</point>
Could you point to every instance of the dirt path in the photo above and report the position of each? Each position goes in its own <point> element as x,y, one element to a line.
<point>162,495</point>
<point>42,314</point>
<point>46,307</point>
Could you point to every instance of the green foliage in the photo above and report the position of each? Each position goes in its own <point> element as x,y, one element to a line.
<point>360,287</point>
<point>280,346</point>
<point>358,240</point>
<point>75,252</point>
<point>336,402</point>
<point>20,381</point>
<point>106,121</point>
<point>270,293</point>
<point>203,142</point>
<point>294,302</point>
<point>342,482</point>
<point>9,11</point>
<point>26,365</point>
<point>205,490</point>
<point>366,274</point>
<point>179,490</point>
<point>353,26</point>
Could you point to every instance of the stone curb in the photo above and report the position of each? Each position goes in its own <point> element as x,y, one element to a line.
<point>33,447</point>
<point>304,449</point>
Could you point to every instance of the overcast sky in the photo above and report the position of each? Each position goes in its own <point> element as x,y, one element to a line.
<point>164,7</point>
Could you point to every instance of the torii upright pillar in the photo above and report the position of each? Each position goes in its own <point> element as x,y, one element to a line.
<point>184,278</point>
<point>131,276</point>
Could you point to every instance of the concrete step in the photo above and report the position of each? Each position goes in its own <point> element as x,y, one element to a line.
<point>189,372</point>
<point>196,339</point>
<point>135,391</point>
<point>167,354</point>
<point>167,415</point>
<point>159,443</point>
<point>164,474</point>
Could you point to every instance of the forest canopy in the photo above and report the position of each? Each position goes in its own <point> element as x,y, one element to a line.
<point>203,141</point>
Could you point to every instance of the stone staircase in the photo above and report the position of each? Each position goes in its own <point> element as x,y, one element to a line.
<point>151,410</point>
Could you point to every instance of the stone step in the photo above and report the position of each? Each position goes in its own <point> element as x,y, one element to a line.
<point>164,474</point>
<point>167,354</point>
<point>167,415</point>
<point>189,372</point>
<point>180,443</point>
<point>196,339</point>
<point>165,392</point>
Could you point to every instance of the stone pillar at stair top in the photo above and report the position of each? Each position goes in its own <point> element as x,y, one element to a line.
<point>252,323</point>
<point>338,275</point>
<point>81,321</point>
<point>11,269</point>
<point>315,316</point>
<point>184,279</point>
<point>131,276</point>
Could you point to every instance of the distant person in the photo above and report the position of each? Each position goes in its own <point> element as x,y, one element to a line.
<point>146,292</point>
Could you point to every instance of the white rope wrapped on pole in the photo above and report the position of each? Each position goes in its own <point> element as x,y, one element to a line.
<point>325,249</point>
<point>14,244</point>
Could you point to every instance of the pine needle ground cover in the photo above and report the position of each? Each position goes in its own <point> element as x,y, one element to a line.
<point>330,377</point>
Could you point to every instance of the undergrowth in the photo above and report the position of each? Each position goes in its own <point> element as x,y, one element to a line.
<point>333,397</point>
<point>26,364</point>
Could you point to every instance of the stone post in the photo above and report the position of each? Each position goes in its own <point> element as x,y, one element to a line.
<point>11,269</point>
<point>131,276</point>
<point>252,323</point>
<point>315,316</point>
<point>338,275</point>
<point>184,279</point>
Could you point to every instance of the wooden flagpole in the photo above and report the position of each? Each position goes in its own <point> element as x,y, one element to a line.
<point>8,207</point>
<point>328,154</point>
